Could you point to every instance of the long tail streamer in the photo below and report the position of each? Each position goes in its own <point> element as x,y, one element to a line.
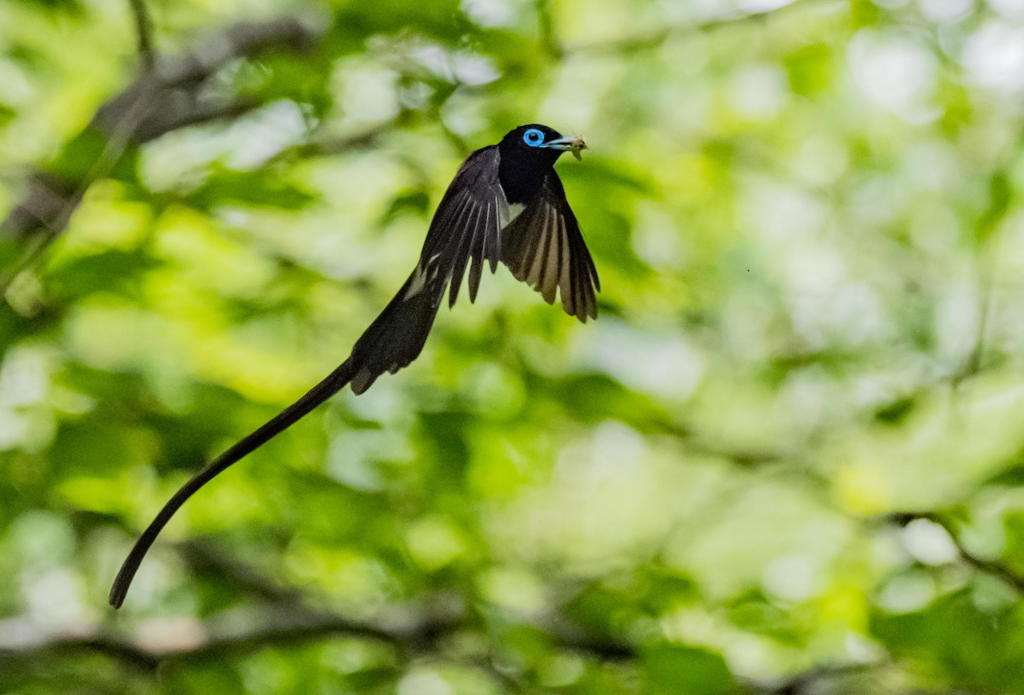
<point>331,384</point>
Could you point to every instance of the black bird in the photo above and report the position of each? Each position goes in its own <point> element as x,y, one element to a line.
<point>506,204</point>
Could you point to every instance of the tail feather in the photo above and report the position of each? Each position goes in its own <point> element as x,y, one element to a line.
<point>391,342</point>
<point>331,384</point>
<point>397,336</point>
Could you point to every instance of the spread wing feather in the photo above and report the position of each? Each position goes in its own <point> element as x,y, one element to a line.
<point>467,225</point>
<point>543,247</point>
<point>465,228</point>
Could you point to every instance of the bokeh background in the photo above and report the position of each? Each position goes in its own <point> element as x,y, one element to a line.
<point>787,459</point>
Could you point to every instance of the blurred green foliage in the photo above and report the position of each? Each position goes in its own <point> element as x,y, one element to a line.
<point>786,459</point>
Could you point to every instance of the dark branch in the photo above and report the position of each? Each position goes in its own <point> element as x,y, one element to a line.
<point>973,364</point>
<point>144,34</point>
<point>202,557</point>
<point>811,680</point>
<point>307,628</point>
<point>238,40</point>
<point>991,567</point>
<point>291,628</point>
<point>125,652</point>
<point>161,100</point>
<point>546,27</point>
<point>325,147</point>
<point>196,116</point>
<point>287,628</point>
<point>292,622</point>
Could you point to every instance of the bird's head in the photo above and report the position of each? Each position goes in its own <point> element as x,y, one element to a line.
<point>541,142</point>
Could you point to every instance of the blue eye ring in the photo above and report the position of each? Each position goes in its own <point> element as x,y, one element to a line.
<point>533,137</point>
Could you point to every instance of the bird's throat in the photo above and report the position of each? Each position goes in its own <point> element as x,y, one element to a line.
<point>522,174</point>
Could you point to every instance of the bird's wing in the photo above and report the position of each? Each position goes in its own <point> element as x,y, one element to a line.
<point>467,227</point>
<point>543,247</point>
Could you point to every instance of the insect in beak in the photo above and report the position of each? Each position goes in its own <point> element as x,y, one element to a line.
<point>573,144</point>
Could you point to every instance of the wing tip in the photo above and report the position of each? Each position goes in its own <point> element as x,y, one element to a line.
<point>584,315</point>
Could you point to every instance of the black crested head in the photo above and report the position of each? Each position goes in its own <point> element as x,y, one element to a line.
<point>527,154</point>
<point>530,142</point>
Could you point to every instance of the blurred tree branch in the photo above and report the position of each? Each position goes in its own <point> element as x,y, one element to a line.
<point>811,680</point>
<point>992,217</point>
<point>290,627</point>
<point>412,630</point>
<point>201,556</point>
<point>164,98</point>
<point>121,650</point>
<point>546,27</point>
<point>327,146</point>
<point>144,33</point>
<point>279,628</point>
<point>991,567</point>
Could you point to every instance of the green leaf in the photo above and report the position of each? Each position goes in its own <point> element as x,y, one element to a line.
<point>687,670</point>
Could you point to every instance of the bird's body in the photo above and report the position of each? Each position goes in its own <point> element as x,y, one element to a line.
<point>507,204</point>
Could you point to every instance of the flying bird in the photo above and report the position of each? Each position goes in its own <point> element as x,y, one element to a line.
<point>505,204</point>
